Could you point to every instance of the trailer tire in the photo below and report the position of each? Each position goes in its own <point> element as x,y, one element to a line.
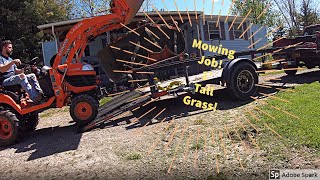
<point>290,72</point>
<point>10,130</point>
<point>84,109</point>
<point>242,81</point>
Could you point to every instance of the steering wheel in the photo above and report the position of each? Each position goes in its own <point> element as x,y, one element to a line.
<point>34,61</point>
<point>30,67</point>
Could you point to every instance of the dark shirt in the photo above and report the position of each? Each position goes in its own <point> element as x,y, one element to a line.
<point>11,71</point>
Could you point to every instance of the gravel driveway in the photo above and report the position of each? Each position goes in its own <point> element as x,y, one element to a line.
<point>155,150</point>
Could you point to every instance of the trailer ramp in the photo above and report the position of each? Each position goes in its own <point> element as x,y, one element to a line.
<point>117,106</point>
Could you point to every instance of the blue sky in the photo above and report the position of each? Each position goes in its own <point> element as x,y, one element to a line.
<point>182,4</point>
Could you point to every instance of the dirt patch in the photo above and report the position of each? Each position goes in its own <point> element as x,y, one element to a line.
<point>191,143</point>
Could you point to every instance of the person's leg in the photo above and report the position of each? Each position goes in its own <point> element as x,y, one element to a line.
<point>11,81</point>
<point>23,81</point>
<point>34,82</point>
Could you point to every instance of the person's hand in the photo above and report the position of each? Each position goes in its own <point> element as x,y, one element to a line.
<point>17,62</point>
<point>21,71</point>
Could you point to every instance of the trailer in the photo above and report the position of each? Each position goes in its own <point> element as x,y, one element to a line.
<point>239,76</point>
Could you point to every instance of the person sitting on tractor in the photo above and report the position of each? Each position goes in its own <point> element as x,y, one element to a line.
<point>11,75</point>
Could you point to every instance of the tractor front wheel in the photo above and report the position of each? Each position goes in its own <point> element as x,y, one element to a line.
<point>84,109</point>
<point>10,131</point>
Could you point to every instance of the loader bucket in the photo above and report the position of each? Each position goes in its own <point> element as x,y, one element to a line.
<point>134,8</point>
<point>109,57</point>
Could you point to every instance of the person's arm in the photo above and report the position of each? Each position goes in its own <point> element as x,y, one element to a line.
<point>5,67</point>
<point>18,71</point>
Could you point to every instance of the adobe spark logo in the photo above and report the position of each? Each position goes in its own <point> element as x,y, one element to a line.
<point>274,174</point>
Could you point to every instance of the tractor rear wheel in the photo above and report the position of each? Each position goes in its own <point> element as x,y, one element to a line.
<point>84,109</point>
<point>10,131</point>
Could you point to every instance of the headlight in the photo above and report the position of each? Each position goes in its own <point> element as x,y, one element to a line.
<point>87,67</point>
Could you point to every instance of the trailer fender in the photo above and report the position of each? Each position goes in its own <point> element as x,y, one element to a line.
<point>227,69</point>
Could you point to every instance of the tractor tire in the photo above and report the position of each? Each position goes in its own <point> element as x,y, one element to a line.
<point>31,123</point>
<point>10,130</point>
<point>84,109</point>
<point>243,80</point>
<point>290,72</point>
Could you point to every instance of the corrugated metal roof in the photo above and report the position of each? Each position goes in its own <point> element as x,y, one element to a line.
<point>138,15</point>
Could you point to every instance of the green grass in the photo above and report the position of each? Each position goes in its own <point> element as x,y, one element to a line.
<point>272,73</point>
<point>304,103</point>
<point>104,100</point>
<point>198,145</point>
<point>133,156</point>
<point>53,111</point>
<point>199,122</point>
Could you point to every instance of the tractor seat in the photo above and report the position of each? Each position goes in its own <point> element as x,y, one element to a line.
<point>12,91</point>
<point>14,88</point>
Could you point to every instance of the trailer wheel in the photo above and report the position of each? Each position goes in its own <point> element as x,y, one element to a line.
<point>84,109</point>
<point>290,72</point>
<point>242,81</point>
<point>10,131</point>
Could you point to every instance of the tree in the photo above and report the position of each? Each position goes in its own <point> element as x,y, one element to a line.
<point>259,8</point>
<point>69,7</point>
<point>89,8</point>
<point>288,9</point>
<point>19,21</point>
<point>298,16</point>
<point>146,6</point>
<point>307,16</point>
<point>262,12</point>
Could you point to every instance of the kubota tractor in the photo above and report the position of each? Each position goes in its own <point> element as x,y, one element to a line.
<point>64,84</point>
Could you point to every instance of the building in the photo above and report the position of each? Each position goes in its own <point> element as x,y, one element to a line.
<point>213,30</point>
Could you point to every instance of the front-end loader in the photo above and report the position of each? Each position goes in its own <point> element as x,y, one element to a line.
<point>69,83</point>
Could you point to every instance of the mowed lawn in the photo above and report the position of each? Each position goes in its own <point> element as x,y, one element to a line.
<point>303,103</point>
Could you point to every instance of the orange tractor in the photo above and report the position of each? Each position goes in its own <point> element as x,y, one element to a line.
<point>64,84</point>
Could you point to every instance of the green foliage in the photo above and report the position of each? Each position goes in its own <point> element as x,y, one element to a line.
<point>19,21</point>
<point>133,156</point>
<point>307,15</point>
<point>197,146</point>
<point>269,18</point>
<point>104,100</point>
<point>294,16</point>
<point>52,112</point>
<point>199,122</point>
<point>89,8</point>
<point>297,15</point>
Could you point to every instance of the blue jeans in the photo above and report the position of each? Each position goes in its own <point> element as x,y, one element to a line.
<point>28,82</point>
